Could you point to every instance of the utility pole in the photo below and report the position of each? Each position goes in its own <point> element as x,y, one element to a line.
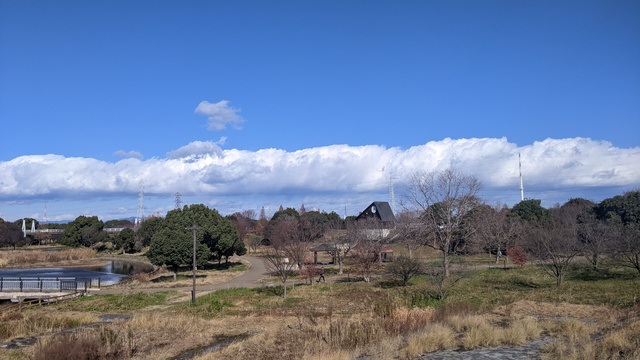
<point>193,292</point>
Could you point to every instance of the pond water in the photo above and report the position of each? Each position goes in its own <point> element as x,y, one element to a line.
<point>110,274</point>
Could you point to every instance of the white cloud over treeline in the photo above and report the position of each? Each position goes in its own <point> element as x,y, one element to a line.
<point>219,115</point>
<point>327,174</point>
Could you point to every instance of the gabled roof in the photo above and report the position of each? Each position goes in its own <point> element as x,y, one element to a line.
<point>379,210</point>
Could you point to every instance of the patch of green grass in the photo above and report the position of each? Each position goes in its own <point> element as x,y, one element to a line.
<point>216,303</point>
<point>487,288</point>
<point>227,267</point>
<point>116,302</point>
<point>418,296</point>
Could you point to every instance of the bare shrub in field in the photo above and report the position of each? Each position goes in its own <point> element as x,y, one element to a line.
<point>386,348</point>
<point>443,313</point>
<point>517,255</point>
<point>432,338</point>
<point>142,277</point>
<point>404,321</point>
<point>348,333</point>
<point>101,343</point>
<point>310,272</point>
<point>3,262</point>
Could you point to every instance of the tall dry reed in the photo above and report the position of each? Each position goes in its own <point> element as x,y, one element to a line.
<point>24,257</point>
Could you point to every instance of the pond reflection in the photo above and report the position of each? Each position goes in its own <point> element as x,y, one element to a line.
<point>109,274</point>
<point>123,267</point>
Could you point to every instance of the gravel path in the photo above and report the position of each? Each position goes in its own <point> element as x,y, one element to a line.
<point>523,352</point>
<point>250,279</point>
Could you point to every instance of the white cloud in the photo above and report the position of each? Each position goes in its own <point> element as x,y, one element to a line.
<point>197,149</point>
<point>128,154</point>
<point>219,115</point>
<point>328,177</point>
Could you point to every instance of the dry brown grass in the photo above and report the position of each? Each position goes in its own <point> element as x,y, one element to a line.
<point>479,330</point>
<point>146,281</point>
<point>35,258</point>
<point>92,343</point>
<point>554,310</point>
<point>308,332</point>
<point>615,338</point>
<point>404,321</point>
<point>432,338</point>
<point>623,343</point>
<point>521,330</point>
<point>343,321</point>
<point>30,323</point>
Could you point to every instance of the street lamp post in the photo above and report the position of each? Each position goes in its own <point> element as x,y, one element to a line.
<point>193,292</point>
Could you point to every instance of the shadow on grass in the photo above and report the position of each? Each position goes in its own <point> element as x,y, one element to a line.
<point>169,278</point>
<point>391,283</point>
<point>349,279</point>
<point>588,273</point>
<point>525,283</point>
<point>222,265</point>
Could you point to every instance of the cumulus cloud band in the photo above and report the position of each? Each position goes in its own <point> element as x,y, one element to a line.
<point>205,169</point>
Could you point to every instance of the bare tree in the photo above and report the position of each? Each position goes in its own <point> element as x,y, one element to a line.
<point>408,231</point>
<point>443,284</point>
<point>338,240</point>
<point>278,264</point>
<point>245,223</point>
<point>11,235</point>
<point>404,268</point>
<point>555,245</point>
<point>492,229</point>
<point>253,242</point>
<point>626,241</point>
<point>595,235</point>
<point>294,237</point>
<point>368,236</point>
<point>365,261</point>
<point>443,197</point>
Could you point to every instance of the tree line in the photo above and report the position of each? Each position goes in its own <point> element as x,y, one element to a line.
<point>441,210</point>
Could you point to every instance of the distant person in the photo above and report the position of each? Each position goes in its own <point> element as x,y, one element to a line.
<point>321,272</point>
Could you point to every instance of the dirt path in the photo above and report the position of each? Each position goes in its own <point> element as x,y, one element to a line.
<point>249,279</point>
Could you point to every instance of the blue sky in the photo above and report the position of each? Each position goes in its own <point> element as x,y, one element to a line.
<point>246,104</point>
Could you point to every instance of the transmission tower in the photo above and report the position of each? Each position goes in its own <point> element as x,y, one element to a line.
<point>392,193</point>
<point>178,200</point>
<point>521,183</point>
<point>140,215</point>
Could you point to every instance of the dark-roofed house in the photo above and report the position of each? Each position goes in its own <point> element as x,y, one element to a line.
<point>379,210</point>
